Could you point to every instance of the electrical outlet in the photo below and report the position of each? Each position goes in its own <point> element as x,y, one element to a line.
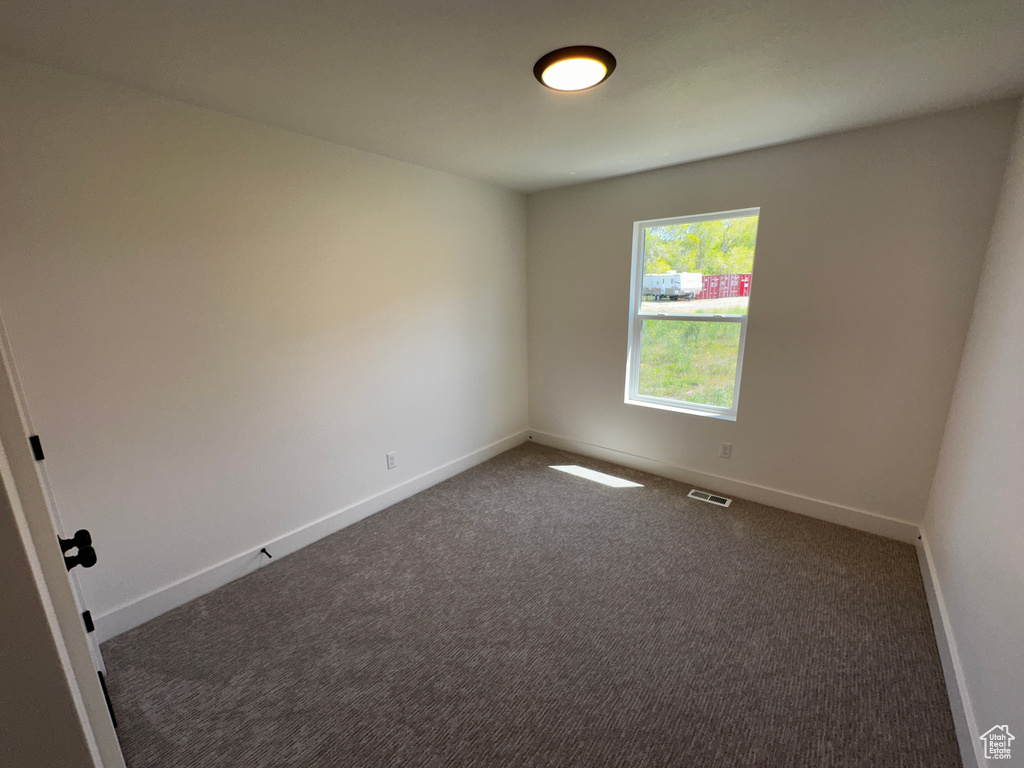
<point>392,460</point>
<point>725,451</point>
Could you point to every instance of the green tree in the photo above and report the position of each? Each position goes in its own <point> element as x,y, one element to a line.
<point>719,247</point>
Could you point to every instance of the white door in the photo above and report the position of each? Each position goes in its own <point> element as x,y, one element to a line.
<point>25,482</point>
<point>35,445</point>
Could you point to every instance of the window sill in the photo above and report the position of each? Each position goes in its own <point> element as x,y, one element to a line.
<point>682,408</point>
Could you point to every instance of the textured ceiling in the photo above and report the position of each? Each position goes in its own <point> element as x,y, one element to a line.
<point>448,83</point>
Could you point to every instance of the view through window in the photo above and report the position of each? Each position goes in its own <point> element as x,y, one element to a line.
<point>691,291</point>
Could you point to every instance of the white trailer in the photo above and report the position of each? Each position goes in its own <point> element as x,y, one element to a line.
<point>673,286</point>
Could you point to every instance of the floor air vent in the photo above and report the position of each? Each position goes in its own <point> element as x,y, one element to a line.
<point>710,498</point>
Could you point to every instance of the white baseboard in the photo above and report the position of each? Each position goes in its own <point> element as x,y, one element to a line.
<point>967,734</point>
<point>151,605</point>
<point>859,519</point>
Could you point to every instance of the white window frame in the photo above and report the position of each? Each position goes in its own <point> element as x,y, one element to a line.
<point>636,318</point>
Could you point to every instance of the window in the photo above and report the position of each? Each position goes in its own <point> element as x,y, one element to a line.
<point>688,311</point>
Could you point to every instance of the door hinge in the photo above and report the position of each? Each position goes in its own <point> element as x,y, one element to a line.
<point>87,620</point>
<point>37,447</point>
<point>110,706</point>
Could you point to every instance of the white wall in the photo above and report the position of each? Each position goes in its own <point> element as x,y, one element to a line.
<point>974,527</point>
<point>222,327</point>
<point>868,255</point>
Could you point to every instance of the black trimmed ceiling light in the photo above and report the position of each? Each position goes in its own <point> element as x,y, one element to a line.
<point>575,68</point>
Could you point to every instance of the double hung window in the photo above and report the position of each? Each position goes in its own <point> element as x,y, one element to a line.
<point>688,311</point>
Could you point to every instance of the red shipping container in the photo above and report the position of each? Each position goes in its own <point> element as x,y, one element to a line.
<point>725,286</point>
<point>715,287</point>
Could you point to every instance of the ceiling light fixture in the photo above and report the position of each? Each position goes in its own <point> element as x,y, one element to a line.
<point>575,68</point>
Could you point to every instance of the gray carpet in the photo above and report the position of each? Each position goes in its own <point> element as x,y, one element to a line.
<point>518,616</point>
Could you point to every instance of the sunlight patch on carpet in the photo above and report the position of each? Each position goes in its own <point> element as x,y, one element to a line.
<point>597,477</point>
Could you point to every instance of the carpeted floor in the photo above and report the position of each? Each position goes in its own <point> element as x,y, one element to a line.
<point>519,616</point>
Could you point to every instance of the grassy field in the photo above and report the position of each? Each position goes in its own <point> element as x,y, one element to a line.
<point>693,362</point>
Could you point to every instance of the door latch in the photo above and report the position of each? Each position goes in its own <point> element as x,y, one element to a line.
<point>85,556</point>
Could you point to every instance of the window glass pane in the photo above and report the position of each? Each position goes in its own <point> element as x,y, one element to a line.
<point>700,267</point>
<point>689,360</point>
